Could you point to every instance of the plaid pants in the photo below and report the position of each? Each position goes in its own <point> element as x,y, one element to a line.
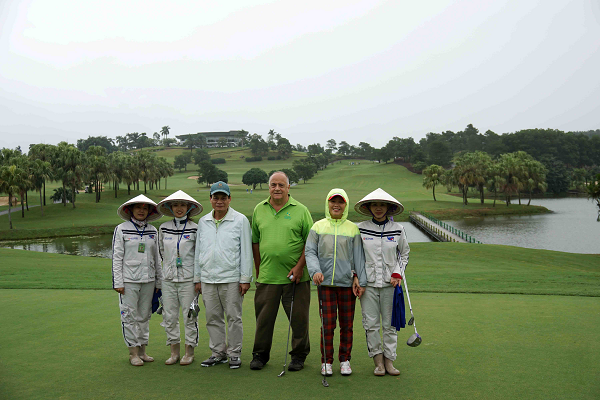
<point>337,301</point>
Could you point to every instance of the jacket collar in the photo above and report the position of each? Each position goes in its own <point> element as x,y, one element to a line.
<point>227,217</point>
<point>380,223</point>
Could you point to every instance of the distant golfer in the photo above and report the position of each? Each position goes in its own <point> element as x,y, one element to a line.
<point>386,252</point>
<point>177,244</point>
<point>223,273</point>
<point>336,262</point>
<point>136,273</point>
<point>280,226</point>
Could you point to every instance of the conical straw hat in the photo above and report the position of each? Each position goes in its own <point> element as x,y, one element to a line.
<point>382,196</point>
<point>153,213</point>
<point>182,196</point>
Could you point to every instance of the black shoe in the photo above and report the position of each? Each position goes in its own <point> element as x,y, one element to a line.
<point>212,361</point>
<point>296,365</point>
<point>256,363</point>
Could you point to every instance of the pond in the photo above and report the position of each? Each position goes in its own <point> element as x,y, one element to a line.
<point>571,227</point>
<point>101,245</point>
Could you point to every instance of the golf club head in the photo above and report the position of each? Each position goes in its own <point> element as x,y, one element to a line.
<point>414,340</point>
<point>411,321</point>
<point>282,372</point>
<point>194,309</point>
<point>325,383</point>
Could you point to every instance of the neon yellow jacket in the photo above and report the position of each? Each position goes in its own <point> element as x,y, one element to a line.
<point>334,248</point>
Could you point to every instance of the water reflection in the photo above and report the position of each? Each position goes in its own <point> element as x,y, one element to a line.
<point>89,246</point>
<point>572,227</point>
<point>101,245</point>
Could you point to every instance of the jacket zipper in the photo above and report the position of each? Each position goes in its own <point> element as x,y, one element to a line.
<point>334,250</point>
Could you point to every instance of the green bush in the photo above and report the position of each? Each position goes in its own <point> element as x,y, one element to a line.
<point>217,160</point>
<point>252,159</point>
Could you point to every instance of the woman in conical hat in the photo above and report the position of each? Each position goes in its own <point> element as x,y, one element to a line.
<point>177,244</point>
<point>136,272</point>
<point>386,253</point>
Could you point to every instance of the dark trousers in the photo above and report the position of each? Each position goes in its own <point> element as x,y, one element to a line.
<point>337,302</point>
<point>266,305</point>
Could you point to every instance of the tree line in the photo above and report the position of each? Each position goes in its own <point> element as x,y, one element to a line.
<point>74,168</point>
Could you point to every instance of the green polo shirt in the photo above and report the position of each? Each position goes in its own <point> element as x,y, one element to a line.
<point>281,237</point>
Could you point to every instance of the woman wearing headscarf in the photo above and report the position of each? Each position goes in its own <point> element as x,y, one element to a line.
<point>177,244</point>
<point>136,273</point>
<point>386,253</point>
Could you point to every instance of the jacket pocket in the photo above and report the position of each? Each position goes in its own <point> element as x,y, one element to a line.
<point>132,270</point>
<point>168,271</point>
<point>370,270</point>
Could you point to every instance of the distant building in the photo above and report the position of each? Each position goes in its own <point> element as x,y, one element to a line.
<point>231,138</point>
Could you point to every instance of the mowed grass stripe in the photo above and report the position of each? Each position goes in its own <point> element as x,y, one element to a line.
<point>433,267</point>
<point>68,344</point>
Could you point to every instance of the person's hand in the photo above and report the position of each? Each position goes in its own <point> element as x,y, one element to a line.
<point>356,289</point>
<point>244,288</point>
<point>395,281</point>
<point>297,272</point>
<point>318,278</point>
<point>199,287</point>
<point>120,290</point>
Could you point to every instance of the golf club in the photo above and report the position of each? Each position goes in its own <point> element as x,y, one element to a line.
<point>325,383</point>
<point>194,307</point>
<point>289,327</point>
<point>415,339</point>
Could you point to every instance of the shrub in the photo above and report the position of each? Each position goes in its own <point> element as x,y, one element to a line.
<point>252,159</point>
<point>217,160</point>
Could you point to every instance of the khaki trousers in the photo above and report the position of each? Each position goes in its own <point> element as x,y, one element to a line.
<point>136,308</point>
<point>179,296</point>
<point>222,299</point>
<point>377,305</point>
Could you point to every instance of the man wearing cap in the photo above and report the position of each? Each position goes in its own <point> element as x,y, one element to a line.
<point>280,226</point>
<point>222,273</point>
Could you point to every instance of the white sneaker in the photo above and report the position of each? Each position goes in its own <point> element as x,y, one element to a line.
<point>326,369</point>
<point>345,368</point>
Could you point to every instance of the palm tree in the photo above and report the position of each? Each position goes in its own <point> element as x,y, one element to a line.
<point>97,167</point>
<point>593,191</point>
<point>433,175</point>
<point>41,171</point>
<point>11,181</point>
<point>512,169</point>
<point>494,179</point>
<point>165,131</point>
<point>536,173</point>
<point>43,152</point>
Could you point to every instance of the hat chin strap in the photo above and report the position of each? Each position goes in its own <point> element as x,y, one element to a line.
<point>186,213</point>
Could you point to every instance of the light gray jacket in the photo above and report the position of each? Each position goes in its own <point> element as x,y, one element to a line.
<point>128,264</point>
<point>223,253</point>
<point>169,234</point>
<point>386,251</point>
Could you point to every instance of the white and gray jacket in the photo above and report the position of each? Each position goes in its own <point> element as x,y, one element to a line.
<point>169,234</point>
<point>386,251</point>
<point>223,253</point>
<point>129,265</point>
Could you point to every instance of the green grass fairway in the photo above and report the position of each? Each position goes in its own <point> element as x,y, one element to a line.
<point>68,344</point>
<point>480,339</point>
<point>357,180</point>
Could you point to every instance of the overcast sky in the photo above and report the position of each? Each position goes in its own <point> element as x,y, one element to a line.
<point>312,70</point>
